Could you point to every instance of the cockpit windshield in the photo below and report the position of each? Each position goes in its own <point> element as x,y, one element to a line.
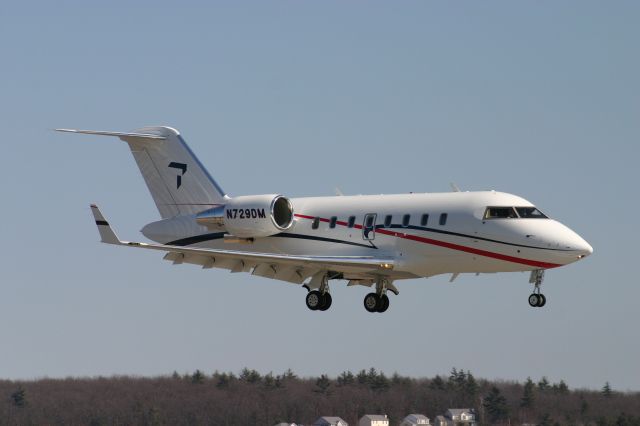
<point>513,213</point>
<point>530,213</point>
<point>500,213</point>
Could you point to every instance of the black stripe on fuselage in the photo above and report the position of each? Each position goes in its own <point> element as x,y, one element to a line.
<point>457,234</point>
<point>327,240</point>
<point>218,235</point>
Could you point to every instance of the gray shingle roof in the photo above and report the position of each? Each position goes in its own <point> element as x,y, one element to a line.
<point>376,416</point>
<point>329,420</point>
<point>416,417</point>
<point>459,411</point>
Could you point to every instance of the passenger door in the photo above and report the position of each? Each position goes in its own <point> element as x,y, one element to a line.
<point>369,227</point>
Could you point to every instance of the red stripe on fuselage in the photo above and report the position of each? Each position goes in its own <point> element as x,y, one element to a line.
<point>451,246</point>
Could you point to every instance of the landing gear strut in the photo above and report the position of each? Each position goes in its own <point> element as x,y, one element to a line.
<point>319,300</point>
<point>537,299</point>
<point>378,301</point>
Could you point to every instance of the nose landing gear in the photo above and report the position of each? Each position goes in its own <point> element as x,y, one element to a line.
<point>537,299</point>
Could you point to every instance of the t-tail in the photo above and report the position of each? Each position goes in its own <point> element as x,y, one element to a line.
<point>176,179</point>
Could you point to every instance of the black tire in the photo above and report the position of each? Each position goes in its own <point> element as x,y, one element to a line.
<point>534,300</point>
<point>384,303</point>
<point>314,300</point>
<point>326,302</point>
<point>371,302</point>
<point>543,300</point>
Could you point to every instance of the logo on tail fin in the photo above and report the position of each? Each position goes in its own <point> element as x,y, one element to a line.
<point>180,166</point>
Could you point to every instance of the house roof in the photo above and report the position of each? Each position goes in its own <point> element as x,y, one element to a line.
<point>375,417</point>
<point>416,417</point>
<point>332,420</point>
<point>458,411</point>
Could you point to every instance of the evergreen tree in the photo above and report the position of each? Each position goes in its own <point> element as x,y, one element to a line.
<point>289,375</point>
<point>453,377</point>
<point>322,384</point>
<point>399,380</point>
<point>380,383</point>
<point>372,375</point>
<point>437,383</point>
<point>197,377</point>
<point>471,387</point>
<point>562,388</point>
<point>250,376</point>
<point>495,405</point>
<point>543,384</point>
<point>528,396</point>
<point>19,397</point>
<point>362,377</point>
<point>457,379</point>
<point>584,406</point>
<point>223,381</point>
<point>268,381</point>
<point>607,392</point>
<point>346,378</point>
<point>545,420</point>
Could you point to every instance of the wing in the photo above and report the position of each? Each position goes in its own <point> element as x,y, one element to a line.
<point>292,268</point>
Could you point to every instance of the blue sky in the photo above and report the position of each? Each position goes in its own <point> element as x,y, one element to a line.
<point>541,99</point>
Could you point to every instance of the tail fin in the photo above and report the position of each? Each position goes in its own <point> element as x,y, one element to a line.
<point>178,182</point>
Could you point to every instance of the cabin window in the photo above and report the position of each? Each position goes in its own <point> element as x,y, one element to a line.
<point>387,220</point>
<point>424,220</point>
<point>500,213</point>
<point>316,223</point>
<point>351,222</point>
<point>406,219</point>
<point>443,219</point>
<point>530,213</point>
<point>332,222</point>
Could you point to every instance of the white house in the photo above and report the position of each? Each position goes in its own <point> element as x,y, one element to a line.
<point>415,419</point>
<point>287,424</point>
<point>461,415</point>
<point>330,421</point>
<point>374,420</point>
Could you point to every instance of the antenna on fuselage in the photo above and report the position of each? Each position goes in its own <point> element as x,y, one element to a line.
<point>455,187</point>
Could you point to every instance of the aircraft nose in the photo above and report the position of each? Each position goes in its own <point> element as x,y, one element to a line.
<point>582,247</point>
<point>586,249</point>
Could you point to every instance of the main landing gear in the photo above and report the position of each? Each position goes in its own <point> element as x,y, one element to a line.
<point>320,299</point>
<point>378,301</point>
<point>316,301</point>
<point>537,299</point>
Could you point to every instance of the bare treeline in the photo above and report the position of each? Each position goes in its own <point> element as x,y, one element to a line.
<point>251,398</point>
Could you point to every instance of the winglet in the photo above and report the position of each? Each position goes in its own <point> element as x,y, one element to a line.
<point>106,233</point>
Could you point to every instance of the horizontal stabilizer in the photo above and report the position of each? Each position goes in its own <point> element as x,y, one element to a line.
<point>118,134</point>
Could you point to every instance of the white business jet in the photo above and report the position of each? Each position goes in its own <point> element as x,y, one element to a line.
<point>373,240</point>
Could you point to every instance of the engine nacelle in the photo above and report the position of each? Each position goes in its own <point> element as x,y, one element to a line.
<point>250,216</point>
